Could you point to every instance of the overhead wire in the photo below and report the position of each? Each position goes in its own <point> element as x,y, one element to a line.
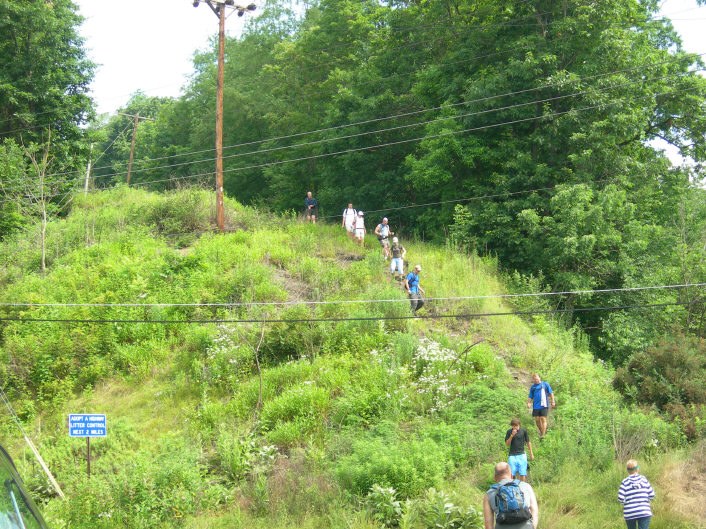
<point>590,90</point>
<point>468,315</point>
<point>366,148</point>
<point>353,301</point>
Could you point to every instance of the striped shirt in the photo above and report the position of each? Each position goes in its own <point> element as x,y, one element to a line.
<point>635,494</point>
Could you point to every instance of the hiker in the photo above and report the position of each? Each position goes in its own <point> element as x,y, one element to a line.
<point>310,205</point>
<point>540,395</point>
<point>397,263</point>
<point>383,233</point>
<point>360,228</point>
<point>414,289</point>
<point>516,438</point>
<point>509,504</point>
<point>348,220</point>
<point>635,493</point>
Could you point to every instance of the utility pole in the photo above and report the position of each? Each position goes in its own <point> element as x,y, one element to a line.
<point>88,170</point>
<point>132,147</point>
<point>219,8</point>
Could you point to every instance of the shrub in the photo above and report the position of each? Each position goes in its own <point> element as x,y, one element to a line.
<point>670,375</point>
<point>408,466</point>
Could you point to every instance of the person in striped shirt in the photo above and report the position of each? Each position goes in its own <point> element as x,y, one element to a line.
<point>635,493</point>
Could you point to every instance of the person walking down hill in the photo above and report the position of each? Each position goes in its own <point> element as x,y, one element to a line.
<point>516,438</point>
<point>414,289</point>
<point>397,263</point>
<point>636,493</point>
<point>310,207</point>
<point>383,233</point>
<point>348,220</point>
<point>540,395</point>
<point>509,504</point>
<point>360,228</point>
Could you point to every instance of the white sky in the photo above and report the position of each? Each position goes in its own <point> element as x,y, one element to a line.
<point>148,45</point>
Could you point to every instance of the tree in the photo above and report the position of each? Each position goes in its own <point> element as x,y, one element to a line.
<point>36,184</point>
<point>45,74</point>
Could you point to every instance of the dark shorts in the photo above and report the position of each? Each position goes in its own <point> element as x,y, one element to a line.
<point>541,412</point>
<point>311,212</point>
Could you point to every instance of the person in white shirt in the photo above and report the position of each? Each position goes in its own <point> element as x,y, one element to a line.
<point>348,220</point>
<point>360,228</point>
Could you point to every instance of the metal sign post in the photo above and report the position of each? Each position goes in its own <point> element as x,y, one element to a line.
<point>87,425</point>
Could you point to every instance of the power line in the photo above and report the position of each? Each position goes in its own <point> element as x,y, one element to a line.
<point>385,118</point>
<point>348,301</point>
<point>405,126</point>
<point>370,147</point>
<point>471,315</point>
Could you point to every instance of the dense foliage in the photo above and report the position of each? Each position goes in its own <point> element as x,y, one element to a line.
<point>530,127</point>
<point>364,423</point>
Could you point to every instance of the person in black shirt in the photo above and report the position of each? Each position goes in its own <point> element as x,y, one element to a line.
<point>516,438</point>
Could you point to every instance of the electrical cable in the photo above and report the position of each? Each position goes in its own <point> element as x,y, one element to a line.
<point>385,118</point>
<point>263,321</point>
<point>591,90</point>
<point>347,301</point>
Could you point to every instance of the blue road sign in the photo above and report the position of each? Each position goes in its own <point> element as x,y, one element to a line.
<point>87,425</point>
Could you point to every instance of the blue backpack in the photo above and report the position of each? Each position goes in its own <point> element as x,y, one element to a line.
<point>510,504</point>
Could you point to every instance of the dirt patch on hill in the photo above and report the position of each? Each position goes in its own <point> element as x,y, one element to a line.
<point>682,487</point>
<point>297,289</point>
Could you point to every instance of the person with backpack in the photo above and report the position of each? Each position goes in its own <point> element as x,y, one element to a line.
<point>414,289</point>
<point>509,503</point>
<point>636,493</point>
<point>383,233</point>
<point>540,395</point>
<point>516,438</point>
<point>348,220</point>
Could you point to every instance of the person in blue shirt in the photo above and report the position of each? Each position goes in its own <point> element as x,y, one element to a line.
<point>310,205</point>
<point>540,396</point>
<point>414,289</point>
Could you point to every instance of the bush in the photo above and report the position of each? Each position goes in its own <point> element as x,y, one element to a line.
<point>407,466</point>
<point>670,375</point>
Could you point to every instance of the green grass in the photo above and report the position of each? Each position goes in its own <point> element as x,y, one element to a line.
<point>344,405</point>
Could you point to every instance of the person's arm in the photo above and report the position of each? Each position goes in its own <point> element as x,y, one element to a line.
<point>529,400</point>
<point>404,252</point>
<point>343,220</point>
<point>551,396</point>
<point>377,230</point>
<point>529,447</point>
<point>509,436</point>
<point>488,514</point>
<point>406,285</point>
<point>534,509</point>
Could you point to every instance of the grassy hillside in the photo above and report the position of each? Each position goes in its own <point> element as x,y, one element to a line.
<point>293,414</point>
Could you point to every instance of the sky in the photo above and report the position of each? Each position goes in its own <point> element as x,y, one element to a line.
<point>148,45</point>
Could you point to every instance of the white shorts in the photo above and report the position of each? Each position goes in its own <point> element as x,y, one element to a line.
<point>360,233</point>
<point>349,227</point>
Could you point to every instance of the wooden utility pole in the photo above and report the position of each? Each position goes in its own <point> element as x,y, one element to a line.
<point>88,170</point>
<point>220,10</point>
<point>132,147</point>
<point>220,213</point>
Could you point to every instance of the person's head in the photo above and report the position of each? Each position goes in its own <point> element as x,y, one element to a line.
<point>515,423</point>
<point>632,466</point>
<point>536,379</point>
<point>384,220</point>
<point>360,213</point>
<point>417,269</point>
<point>502,471</point>
<point>308,194</point>
<point>395,240</point>
<point>350,205</point>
